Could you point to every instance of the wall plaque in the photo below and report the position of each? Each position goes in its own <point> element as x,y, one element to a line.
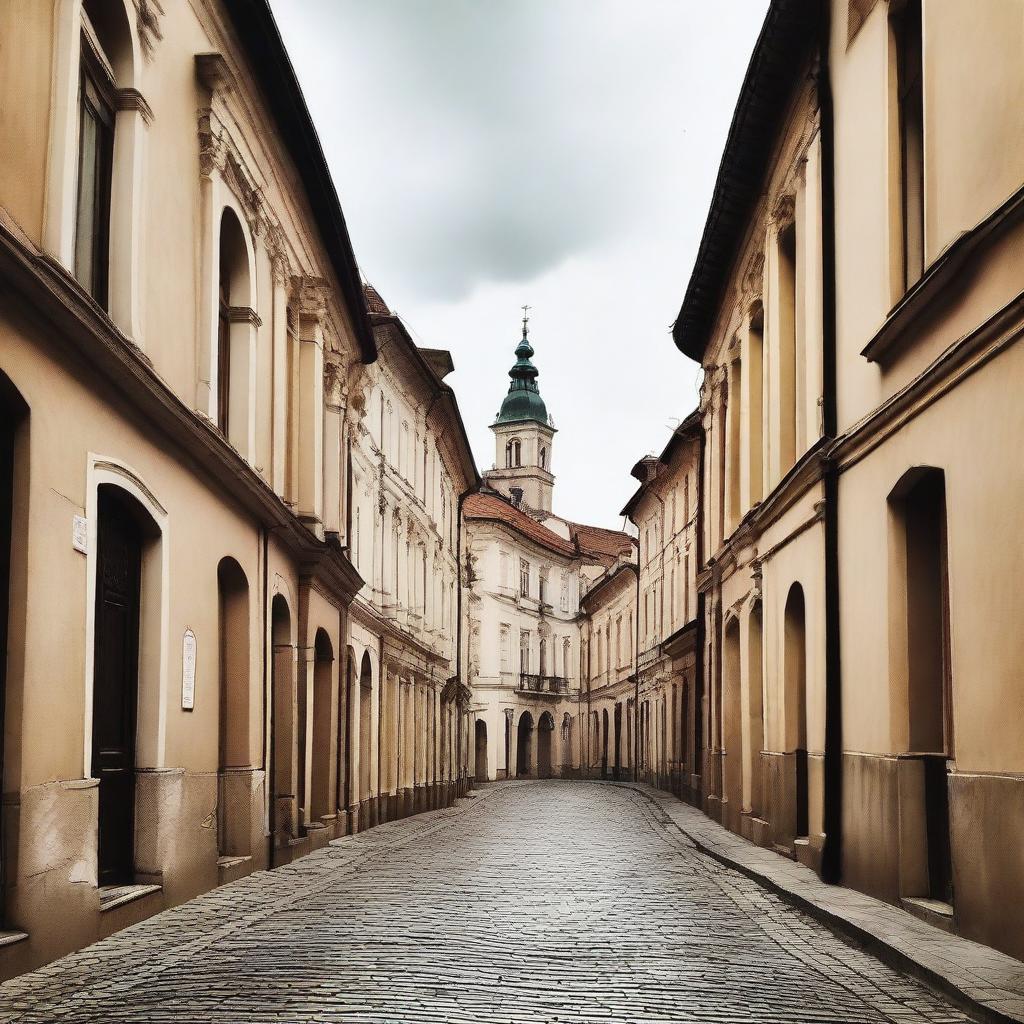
<point>80,534</point>
<point>188,671</point>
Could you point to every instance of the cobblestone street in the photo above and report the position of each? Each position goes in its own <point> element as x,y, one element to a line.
<point>556,901</point>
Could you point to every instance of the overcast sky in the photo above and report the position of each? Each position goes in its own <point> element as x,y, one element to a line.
<point>560,153</point>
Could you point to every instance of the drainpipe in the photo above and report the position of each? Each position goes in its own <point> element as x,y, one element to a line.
<point>458,620</point>
<point>268,703</point>
<point>831,860</point>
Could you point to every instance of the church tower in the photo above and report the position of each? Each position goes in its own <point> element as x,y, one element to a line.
<point>523,435</point>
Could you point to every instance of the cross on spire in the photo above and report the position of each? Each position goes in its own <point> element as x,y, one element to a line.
<point>526,317</point>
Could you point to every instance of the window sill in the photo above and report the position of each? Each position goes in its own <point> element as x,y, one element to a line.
<point>113,896</point>
<point>940,278</point>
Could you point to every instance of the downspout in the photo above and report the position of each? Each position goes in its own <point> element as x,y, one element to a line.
<point>268,706</point>
<point>831,859</point>
<point>458,624</point>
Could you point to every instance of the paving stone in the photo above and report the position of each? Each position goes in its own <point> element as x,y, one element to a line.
<point>553,901</point>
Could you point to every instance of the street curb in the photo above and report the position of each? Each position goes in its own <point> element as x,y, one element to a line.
<point>868,940</point>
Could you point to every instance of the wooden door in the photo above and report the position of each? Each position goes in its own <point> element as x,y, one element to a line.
<point>115,685</point>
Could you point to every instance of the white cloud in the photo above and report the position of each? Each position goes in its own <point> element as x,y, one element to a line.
<point>558,152</point>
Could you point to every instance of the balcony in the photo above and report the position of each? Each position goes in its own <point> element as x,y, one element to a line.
<point>531,683</point>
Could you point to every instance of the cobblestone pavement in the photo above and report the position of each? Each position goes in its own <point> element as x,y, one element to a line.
<point>552,901</point>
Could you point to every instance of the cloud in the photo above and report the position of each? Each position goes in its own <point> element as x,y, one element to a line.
<point>557,152</point>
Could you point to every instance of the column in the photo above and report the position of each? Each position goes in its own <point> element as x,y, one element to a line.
<point>311,404</point>
<point>334,417</point>
<point>281,385</point>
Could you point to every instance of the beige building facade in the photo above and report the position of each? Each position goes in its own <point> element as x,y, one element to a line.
<point>186,362</point>
<point>855,304</point>
<point>410,468</point>
<point>527,569</point>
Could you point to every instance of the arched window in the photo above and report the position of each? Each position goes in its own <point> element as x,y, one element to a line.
<point>508,455</point>
<point>543,458</point>
<point>233,805</point>
<point>516,452</point>
<point>236,337</point>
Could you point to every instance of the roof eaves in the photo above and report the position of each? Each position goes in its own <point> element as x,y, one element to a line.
<point>775,66</point>
<point>258,33</point>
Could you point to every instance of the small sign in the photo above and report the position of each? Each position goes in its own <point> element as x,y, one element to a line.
<point>188,671</point>
<point>80,534</point>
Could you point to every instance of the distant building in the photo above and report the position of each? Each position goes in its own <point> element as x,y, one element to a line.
<point>527,569</point>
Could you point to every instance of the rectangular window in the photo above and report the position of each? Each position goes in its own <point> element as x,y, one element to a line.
<point>505,632</point>
<point>506,569</point>
<point>542,586</point>
<point>565,593</point>
<point>524,577</point>
<point>909,76</point>
<point>95,169</point>
<point>524,651</point>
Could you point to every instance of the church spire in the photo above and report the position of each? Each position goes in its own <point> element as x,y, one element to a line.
<point>523,401</point>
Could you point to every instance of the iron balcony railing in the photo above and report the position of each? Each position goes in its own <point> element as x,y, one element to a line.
<point>543,684</point>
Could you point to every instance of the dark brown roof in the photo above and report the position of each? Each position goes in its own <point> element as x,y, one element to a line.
<point>257,31</point>
<point>777,63</point>
<point>594,540</point>
<point>493,507</point>
<point>374,303</point>
<point>690,427</point>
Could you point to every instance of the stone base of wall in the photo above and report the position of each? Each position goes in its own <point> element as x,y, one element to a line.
<point>884,851</point>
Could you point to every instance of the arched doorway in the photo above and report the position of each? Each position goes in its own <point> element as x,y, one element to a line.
<point>545,729</point>
<point>365,718</point>
<point>604,743</point>
<point>731,729</point>
<point>795,674</point>
<point>617,771</point>
<point>481,750</point>
<point>755,698</point>
<point>234,759</point>
<point>13,524</point>
<point>284,822</point>
<point>524,746</point>
<point>122,529</point>
<point>323,727</point>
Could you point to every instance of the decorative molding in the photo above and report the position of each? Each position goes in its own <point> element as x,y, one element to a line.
<point>212,71</point>
<point>310,297</point>
<point>335,391</point>
<point>147,21</point>
<point>132,99</point>
<point>752,286</point>
<point>244,315</point>
<point>784,211</point>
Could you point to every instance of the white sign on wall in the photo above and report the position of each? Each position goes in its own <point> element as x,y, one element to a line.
<point>80,534</point>
<point>188,671</point>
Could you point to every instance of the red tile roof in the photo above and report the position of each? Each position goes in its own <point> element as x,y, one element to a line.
<point>589,541</point>
<point>497,509</point>
<point>374,303</point>
<point>594,540</point>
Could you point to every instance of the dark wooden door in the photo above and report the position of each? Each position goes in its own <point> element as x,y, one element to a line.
<point>115,685</point>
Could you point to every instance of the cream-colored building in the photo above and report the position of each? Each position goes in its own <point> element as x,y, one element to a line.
<point>855,304</point>
<point>410,467</point>
<point>526,569</point>
<point>185,364</point>
<point>668,687</point>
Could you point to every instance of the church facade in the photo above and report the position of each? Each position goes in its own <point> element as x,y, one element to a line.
<point>527,570</point>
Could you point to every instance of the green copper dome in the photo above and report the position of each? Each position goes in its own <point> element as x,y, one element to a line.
<point>523,401</point>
